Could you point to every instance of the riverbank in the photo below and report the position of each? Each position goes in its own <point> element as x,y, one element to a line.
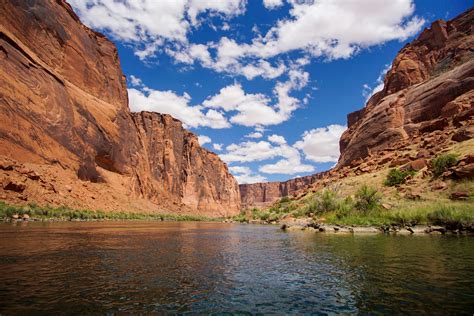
<point>33,212</point>
<point>310,225</point>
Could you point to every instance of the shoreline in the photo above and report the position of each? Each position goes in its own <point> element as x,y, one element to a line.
<point>301,225</point>
<point>389,229</point>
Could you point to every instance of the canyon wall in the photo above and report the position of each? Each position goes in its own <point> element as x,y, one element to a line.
<point>65,118</point>
<point>428,88</point>
<point>425,106</point>
<point>264,194</point>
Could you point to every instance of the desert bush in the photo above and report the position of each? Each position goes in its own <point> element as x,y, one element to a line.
<point>367,199</point>
<point>396,176</point>
<point>240,218</point>
<point>443,162</point>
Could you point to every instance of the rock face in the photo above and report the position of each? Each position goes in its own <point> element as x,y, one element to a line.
<point>264,194</point>
<point>64,111</point>
<point>425,106</point>
<point>429,88</point>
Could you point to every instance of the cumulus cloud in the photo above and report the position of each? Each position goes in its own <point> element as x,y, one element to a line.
<point>326,28</point>
<point>148,23</point>
<point>249,151</point>
<point>290,162</point>
<point>331,29</point>
<point>286,166</point>
<point>135,82</point>
<point>277,139</point>
<point>217,147</point>
<point>255,134</point>
<point>272,4</point>
<point>321,144</point>
<point>245,175</point>
<point>203,139</point>
<point>225,8</point>
<point>136,21</point>
<point>250,109</point>
<point>339,28</point>
<point>168,102</point>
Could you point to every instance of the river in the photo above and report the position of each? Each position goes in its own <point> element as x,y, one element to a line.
<point>115,267</point>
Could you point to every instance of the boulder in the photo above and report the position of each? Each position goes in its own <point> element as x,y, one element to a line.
<point>464,133</point>
<point>439,185</point>
<point>415,165</point>
<point>14,186</point>
<point>459,195</point>
<point>464,168</point>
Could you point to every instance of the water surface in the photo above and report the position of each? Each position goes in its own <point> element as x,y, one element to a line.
<point>114,267</point>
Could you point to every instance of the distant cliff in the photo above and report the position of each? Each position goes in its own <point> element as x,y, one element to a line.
<point>426,106</point>
<point>65,118</point>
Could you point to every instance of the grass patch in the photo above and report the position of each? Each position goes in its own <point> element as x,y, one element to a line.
<point>66,213</point>
<point>396,177</point>
<point>451,214</point>
<point>443,162</point>
<point>367,199</point>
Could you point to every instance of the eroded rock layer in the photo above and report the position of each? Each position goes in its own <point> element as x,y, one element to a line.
<point>64,113</point>
<point>429,88</point>
<point>261,195</point>
<point>425,107</point>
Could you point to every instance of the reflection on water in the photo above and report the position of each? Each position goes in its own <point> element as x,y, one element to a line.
<point>211,267</point>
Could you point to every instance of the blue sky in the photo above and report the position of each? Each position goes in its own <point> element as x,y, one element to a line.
<point>266,84</point>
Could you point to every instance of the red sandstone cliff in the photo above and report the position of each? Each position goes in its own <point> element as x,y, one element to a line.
<point>64,117</point>
<point>429,88</point>
<point>425,106</point>
<point>264,194</point>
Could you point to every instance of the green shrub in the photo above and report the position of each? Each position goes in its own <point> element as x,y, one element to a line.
<point>396,176</point>
<point>285,199</point>
<point>367,199</point>
<point>240,218</point>
<point>273,217</point>
<point>345,207</point>
<point>443,162</point>
<point>327,201</point>
<point>322,202</point>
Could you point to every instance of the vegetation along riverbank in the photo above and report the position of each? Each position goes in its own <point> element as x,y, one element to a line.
<point>390,199</point>
<point>33,212</point>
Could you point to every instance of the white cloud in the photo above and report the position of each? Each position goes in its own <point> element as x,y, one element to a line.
<point>136,21</point>
<point>272,4</point>
<point>286,166</point>
<point>328,28</point>
<point>151,22</point>
<point>339,28</point>
<point>226,8</point>
<point>368,91</point>
<point>168,102</point>
<point>262,150</point>
<point>225,26</point>
<point>135,82</point>
<point>245,175</point>
<point>249,151</point>
<point>321,144</point>
<point>203,139</point>
<point>254,135</point>
<point>277,139</point>
<point>262,68</point>
<point>255,109</point>
<point>217,147</point>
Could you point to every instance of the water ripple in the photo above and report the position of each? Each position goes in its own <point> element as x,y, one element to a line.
<point>139,267</point>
